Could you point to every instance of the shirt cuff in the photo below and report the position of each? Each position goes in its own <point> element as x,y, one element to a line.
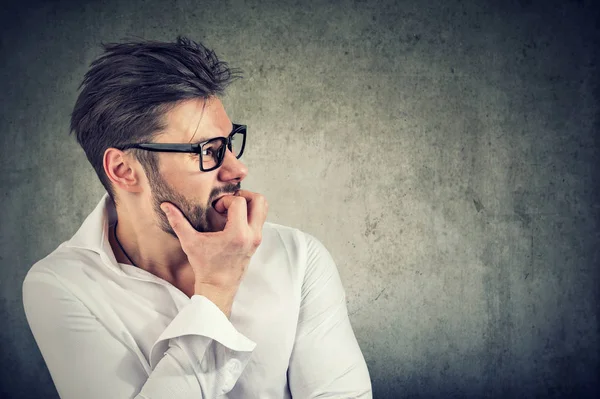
<point>202,317</point>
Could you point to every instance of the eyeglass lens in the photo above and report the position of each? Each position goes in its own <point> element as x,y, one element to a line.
<point>214,151</point>
<point>237,144</point>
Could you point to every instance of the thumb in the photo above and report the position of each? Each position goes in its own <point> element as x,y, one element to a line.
<point>179,223</point>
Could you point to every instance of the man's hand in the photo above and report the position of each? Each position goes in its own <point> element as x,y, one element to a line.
<point>219,259</point>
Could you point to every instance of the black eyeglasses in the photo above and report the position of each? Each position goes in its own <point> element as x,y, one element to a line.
<point>212,151</point>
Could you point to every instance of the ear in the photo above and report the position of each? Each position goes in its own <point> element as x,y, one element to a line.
<point>122,170</point>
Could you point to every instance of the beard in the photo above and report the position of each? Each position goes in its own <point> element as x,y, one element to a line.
<point>196,214</point>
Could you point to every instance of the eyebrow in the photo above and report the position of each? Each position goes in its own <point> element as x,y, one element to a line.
<point>200,140</point>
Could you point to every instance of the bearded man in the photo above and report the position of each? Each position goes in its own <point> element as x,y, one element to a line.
<point>175,286</point>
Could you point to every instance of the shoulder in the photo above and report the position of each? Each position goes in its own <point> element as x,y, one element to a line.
<point>300,246</point>
<point>67,267</point>
<point>290,238</point>
<point>310,261</point>
<point>290,254</point>
<point>285,232</point>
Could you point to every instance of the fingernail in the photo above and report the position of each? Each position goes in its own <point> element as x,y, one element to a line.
<point>165,209</point>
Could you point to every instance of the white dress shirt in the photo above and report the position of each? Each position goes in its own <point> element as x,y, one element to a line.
<point>112,330</point>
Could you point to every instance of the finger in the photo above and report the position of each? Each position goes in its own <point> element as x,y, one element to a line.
<point>179,223</point>
<point>237,212</point>
<point>223,203</point>
<point>257,208</point>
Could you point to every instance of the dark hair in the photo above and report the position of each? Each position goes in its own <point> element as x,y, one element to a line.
<point>131,86</point>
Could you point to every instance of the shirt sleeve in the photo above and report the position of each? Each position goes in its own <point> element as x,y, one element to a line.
<point>204,358</point>
<point>326,360</point>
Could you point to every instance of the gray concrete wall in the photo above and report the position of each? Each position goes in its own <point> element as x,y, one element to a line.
<point>445,152</point>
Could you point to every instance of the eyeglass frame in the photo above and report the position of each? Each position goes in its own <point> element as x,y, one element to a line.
<point>195,148</point>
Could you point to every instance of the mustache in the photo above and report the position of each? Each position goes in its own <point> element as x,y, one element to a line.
<point>226,189</point>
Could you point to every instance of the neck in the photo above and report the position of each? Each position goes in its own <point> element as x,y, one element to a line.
<point>145,245</point>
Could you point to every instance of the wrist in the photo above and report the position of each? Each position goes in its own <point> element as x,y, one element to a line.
<point>222,298</point>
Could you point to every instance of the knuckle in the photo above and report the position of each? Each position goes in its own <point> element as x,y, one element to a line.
<point>240,238</point>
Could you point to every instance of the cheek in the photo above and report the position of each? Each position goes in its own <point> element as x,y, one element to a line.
<point>186,179</point>
<point>194,187</point>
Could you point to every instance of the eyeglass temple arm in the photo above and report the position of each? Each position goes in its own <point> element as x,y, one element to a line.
<point>163,147</point>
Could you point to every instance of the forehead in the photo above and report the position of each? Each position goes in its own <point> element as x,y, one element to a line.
<point>196,120</point>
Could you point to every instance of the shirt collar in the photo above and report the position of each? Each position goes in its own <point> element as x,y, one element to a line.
<point>93,233</point>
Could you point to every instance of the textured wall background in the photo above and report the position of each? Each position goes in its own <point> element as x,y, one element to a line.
<point>445,152</point>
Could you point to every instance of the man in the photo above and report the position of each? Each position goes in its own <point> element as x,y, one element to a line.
<point>174,286</point>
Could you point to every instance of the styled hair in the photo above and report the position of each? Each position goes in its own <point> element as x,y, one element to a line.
<point>130,87</point>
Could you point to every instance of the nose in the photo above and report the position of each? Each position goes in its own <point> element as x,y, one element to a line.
<point>232,170</point>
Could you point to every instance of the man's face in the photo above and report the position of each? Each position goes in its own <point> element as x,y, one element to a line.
<point>179,179</point>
